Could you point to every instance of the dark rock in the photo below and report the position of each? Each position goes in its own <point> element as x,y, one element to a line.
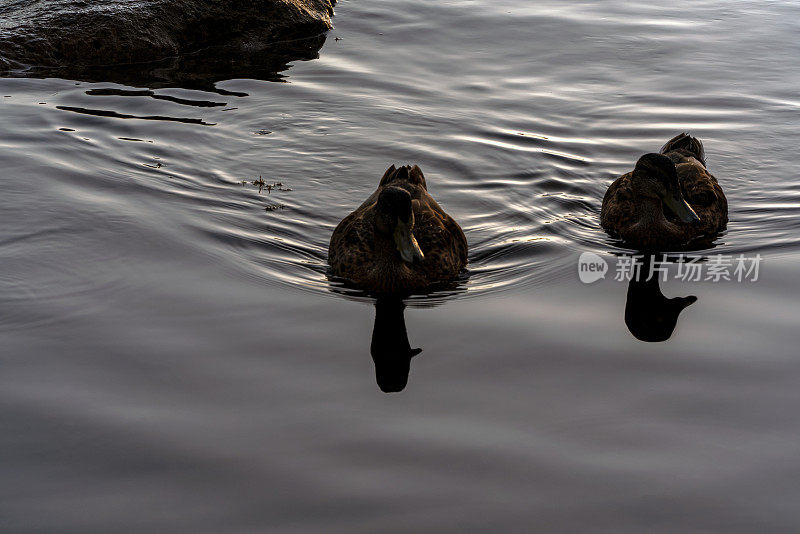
<point>86,34</point>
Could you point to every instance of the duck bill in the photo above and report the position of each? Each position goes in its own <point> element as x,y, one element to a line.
<point>406,243</point>
<point>681,208</point>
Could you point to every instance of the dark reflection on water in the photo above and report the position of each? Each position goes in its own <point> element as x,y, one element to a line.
<point>649,315</point>
<point>199,71</point>
<point>174,358</point>
<point>115,115</point>
<point>152,94</point>
<point>390,349</point>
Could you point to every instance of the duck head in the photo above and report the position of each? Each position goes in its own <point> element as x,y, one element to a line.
<point>656,177</point>
<point>394,218</point>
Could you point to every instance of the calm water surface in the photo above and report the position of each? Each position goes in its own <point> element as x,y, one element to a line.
<point>174,359</point>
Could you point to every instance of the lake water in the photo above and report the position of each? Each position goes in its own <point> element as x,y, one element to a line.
<point>173,357</point>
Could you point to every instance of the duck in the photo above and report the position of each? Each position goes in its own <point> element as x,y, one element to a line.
<point>668,201</point>
<point>399,240</point>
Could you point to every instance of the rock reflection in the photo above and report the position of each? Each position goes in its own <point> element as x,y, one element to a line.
<point>114,114</point>
<point>390,348</point>
<point>200,70</point>
<point>111,91</point>
<point>649,315</point>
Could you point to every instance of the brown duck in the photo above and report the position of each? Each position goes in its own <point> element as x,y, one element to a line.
<point>669,200</point>
<point>399,240</point>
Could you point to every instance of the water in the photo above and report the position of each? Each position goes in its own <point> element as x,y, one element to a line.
<point>174,357</point>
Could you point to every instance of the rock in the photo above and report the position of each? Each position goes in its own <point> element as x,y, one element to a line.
<point>89,33</point>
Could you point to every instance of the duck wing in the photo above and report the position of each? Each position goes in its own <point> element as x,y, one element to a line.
<point>698,186</point>
<point>702,191</point>
<point>352,244</point>
<point>618,204</point>
<point>441,239</point>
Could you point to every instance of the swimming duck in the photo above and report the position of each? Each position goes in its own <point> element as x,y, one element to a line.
<point>399,240</point>
<point>668,200</point>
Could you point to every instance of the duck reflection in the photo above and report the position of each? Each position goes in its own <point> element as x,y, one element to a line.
<point>390,348</point>
<point>649,315</point>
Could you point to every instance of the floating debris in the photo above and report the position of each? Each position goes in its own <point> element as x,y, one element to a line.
<point>262,132</point>
<point>260,183</point>
<point>273,207</point>
<point>263,184</point>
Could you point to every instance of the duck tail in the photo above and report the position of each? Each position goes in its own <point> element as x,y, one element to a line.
<point>686,144</point>
<point>404,174</point>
